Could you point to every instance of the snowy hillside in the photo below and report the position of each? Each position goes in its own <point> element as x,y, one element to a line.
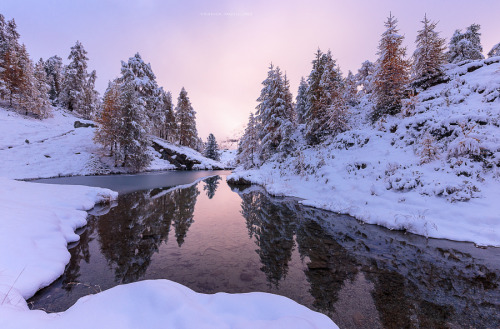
<point>32,148</point>
<point>433,171</point>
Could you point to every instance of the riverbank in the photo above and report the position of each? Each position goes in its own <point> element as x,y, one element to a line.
<point>54,147</point>
<point>433,171</point>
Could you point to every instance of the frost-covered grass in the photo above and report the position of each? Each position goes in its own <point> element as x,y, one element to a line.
<point>32,148</point>
<point>377,173</point>
<point>37,221</point>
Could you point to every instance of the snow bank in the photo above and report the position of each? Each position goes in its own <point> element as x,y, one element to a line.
<point>376,174</point>
<point>165,304</point>
<point>37,221</point>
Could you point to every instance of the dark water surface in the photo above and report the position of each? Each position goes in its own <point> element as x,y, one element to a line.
<point>213,239</point>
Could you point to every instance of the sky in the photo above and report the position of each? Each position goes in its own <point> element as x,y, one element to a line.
<point>220,51</point>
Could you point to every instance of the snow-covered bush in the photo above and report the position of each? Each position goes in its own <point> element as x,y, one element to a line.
<point>465,144</point>
<point>428,150</point>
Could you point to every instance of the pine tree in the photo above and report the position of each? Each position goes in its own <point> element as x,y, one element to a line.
<point>274,114</point>
<point>249,145</point>
<point>495,51</point>
<point>75,79</point>
<point>186,121</point>
<point>41,90</point>
<point>3,49</point>
<point>364,77</point>
<point>90,102</point>
<point>11,73</point>
<point>54,71</point>
<point>429,56</point>
<point>133,140</point>
<point>168,130</point>
<point>325,89</point>
<point>351,96</point>
<point>466,46</point>
<point>301,101</point>
<point>428,150</point>
<point>147,88</point>
<point>391,74</point>
<point>212,148</point>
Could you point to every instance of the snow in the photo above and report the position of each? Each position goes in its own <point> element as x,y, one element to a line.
<point>374,173</point>
<point>37,221</point>
<point>55,148</point>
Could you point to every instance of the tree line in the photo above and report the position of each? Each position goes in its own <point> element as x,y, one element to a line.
<point>321,108</point>
<point>132,110</point>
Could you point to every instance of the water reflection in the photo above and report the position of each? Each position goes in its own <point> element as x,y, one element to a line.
<point>362,276</point>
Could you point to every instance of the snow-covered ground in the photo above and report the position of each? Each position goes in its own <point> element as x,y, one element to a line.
<point>374,173</point>
<point>37,221</point>
<point>32,148</point>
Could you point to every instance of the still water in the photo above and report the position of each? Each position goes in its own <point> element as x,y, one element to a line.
<point>212,238</point>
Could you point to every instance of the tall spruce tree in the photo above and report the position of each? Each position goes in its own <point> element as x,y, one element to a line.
<point>75,79</point>
<point>429,55</point>
<point>465,46</point>
<point>3,49</point>
<point>168,129</point>
<point>11,71</point>
<point>301,101</point>
<point>54,70</point>
<point>212,148</point>
<point>351,96</point>
<point>41,90</point>
<point>325,90</point>
<point>186,121</point>
<point>391,74</point>
<point>248,148</point>
<point>91,101</point>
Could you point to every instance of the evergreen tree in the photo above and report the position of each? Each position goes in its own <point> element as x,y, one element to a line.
<point>168,130</point>
<point>325,90</point>
<point>186,121</point>
<point>133,140</point>
<point>3,49</point>
<point>351,96</point>
<point>75,79</point>
<point>364,77</point>
<point>391,74</point>
<point>301,101</point>
<point>274,114</point>
<point>41,90</point>
<point>429,56</point>
<point>249,145</point>
<point>212,148</point>
<point>90,102</point>
<point>11,73</point>
<point>466,46</point>
<point>495,51</point>
<point>147,88</point>
<point>54,70</point>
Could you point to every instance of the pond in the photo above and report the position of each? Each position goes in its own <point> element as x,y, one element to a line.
<point>212,238</point>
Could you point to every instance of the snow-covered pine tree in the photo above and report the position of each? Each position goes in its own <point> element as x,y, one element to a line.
<point>325,85</point>
<point>391,73</point>
<point>11,73</point>
<point>274,114</point>
<point>186,121</point>
<point>289,119</point>
<point>301,101</point>
<point>147,87</point>
<point>212,148</point>
<point>54,71</point>
<point>465,46</point>
<point>75,79</point>
<point>41,90</point>
<point>3,48</point>
<point>168,130</point>
<point>110,120</point>
<point>495,51</point>
<point>133,134</point>
<point>428,150</point>
<point>429,55</point>
<point>26,93</point>
<point>351,96</point>
<point>364,77</point>
<point>90,102</point>
<point>249,145</point>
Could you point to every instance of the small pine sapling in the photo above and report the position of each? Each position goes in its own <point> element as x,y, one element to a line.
<point>428,151</point>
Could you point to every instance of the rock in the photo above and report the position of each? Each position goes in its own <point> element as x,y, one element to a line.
<point>238,181</point>
<point>79,124</point>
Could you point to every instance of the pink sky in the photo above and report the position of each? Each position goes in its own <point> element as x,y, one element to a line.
<point>220,50</point>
